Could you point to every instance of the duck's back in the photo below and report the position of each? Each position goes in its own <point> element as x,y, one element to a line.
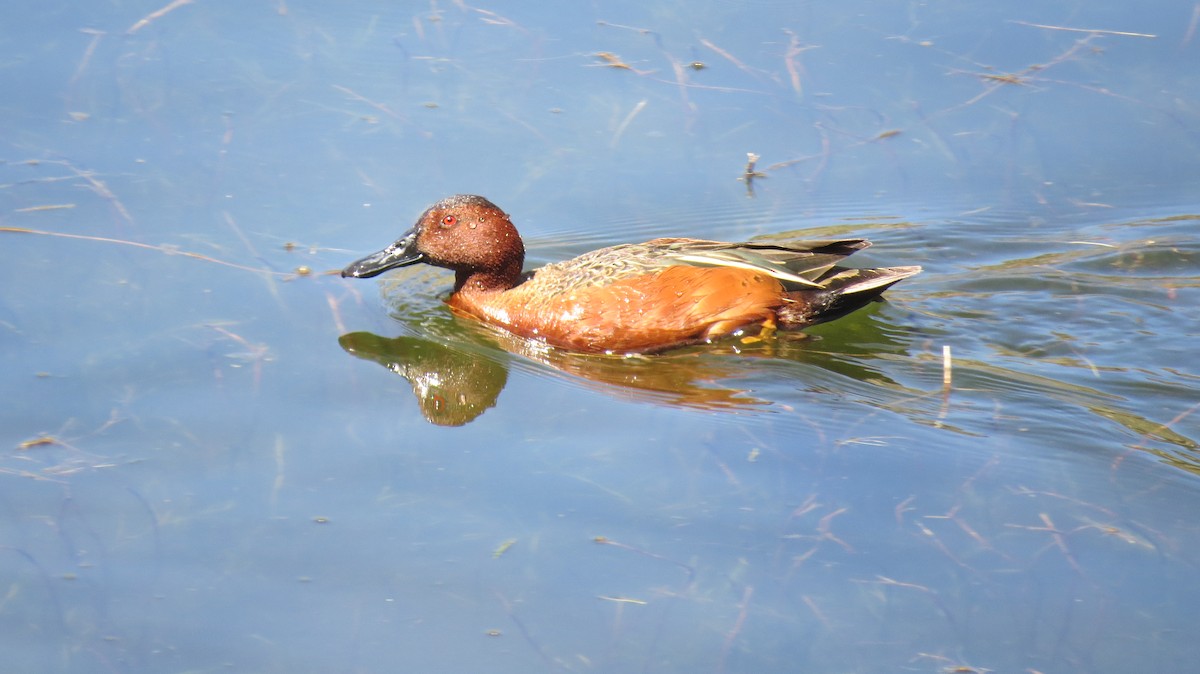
<point>801,263</point>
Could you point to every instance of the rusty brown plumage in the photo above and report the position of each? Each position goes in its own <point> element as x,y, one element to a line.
<point>631,298</point>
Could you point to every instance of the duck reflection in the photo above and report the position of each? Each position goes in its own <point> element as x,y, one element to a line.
<point>459,377</point>
<point>452,386</point>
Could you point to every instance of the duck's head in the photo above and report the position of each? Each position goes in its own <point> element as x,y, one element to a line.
<point>466,233</point>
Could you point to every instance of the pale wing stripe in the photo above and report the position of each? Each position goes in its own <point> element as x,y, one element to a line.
<point>780,274</point>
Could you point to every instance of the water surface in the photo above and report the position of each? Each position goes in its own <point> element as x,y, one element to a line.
<point>219,456</point>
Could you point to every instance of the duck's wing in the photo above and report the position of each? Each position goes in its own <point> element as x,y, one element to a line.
<point>803,263</point>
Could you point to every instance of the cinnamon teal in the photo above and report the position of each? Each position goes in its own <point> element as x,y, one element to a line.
<point>631,298</point>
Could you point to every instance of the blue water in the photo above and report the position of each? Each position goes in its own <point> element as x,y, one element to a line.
<point>217,455</point>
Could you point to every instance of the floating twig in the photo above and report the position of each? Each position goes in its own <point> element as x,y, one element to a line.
<point>503,548</point>
<point>641,105</point>
<point>156,15</point>
<point>1191,29</point>
<point>611,60</point>
<point>87,54</point>
<point>731,58</point>
<point>604,540</point>
<point>47,207</point>
<point>750,173</point>
<point>743,611</point>
<point>623,600</point>
<point>947,366</point>
<point>162,248</point>
<point>789,59</point>
<point>363,99</point>
<point>1094,31</point>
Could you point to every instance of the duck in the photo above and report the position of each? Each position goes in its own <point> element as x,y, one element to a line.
<point>634,298</point>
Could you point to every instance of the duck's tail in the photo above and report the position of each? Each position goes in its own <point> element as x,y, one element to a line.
<point>842,291</point>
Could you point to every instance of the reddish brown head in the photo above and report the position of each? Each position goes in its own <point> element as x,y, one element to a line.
<point>466,233</point>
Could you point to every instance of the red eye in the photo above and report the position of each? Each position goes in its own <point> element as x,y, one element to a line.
<point>449,221</point>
